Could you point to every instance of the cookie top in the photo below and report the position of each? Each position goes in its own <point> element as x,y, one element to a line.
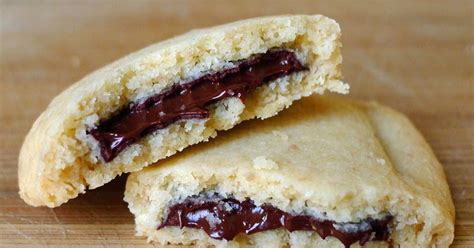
<point>347,159</point>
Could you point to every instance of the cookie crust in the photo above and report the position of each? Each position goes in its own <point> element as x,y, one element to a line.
<point>59,160</point>
<point>330,157</point>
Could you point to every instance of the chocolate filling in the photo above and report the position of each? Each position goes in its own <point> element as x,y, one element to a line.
<point>225,218</point>
<point>189,101</point>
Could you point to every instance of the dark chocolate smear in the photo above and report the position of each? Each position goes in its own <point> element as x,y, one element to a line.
<point>225,218</point>
<point>189,101</point>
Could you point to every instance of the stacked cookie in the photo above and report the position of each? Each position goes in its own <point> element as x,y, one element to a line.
<point>326,172</point>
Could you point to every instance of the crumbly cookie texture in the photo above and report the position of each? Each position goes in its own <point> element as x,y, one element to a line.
<point>60,160</point>
<point>338,159</point>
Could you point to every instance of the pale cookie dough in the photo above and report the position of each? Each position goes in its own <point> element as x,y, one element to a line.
<point>338,160</point>
<point>59,158</point>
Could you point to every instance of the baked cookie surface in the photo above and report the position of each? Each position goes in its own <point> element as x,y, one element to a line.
<point>66,153</point>
<point>330,159</point>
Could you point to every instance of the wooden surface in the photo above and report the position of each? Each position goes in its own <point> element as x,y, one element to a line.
<point>416,56</point>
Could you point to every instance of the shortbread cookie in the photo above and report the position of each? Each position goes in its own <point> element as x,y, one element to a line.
<point>325,173</point>
<point>159,100</point>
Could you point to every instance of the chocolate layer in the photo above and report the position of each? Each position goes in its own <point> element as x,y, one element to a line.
<point>225,218</point>
<point>189,101</point>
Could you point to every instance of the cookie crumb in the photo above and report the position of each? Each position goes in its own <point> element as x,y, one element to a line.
<point>262,162</point>
<point>381,161</point>
<point>282,135</point>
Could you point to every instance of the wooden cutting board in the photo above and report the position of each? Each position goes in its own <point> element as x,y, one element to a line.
<point>414,56</point>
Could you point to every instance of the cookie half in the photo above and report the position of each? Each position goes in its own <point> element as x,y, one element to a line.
<point>159,100</point>
<point>325,173</point>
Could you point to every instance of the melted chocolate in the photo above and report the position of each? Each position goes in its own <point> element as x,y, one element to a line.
<point>225,218</point>
<point>189,101</point>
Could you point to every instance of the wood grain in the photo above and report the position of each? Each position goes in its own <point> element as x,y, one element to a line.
<point>416,56</point>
